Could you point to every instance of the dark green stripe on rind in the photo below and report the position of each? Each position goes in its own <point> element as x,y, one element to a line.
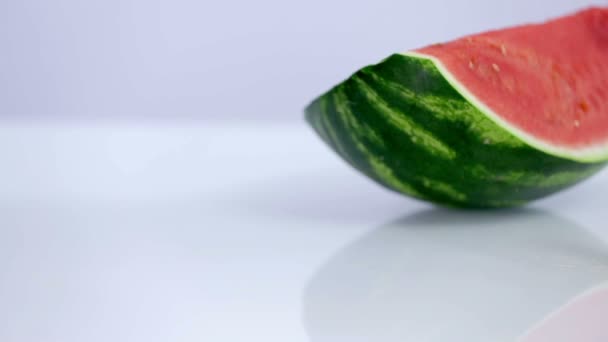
<point>402,124</point>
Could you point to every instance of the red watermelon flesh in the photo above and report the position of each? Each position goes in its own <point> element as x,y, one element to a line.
<point>547,82</point>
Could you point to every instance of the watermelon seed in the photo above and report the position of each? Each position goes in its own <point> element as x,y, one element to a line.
<point>577,123</point>
<point>471,64</point>
<point>503,49</point>
<point>495,67</point>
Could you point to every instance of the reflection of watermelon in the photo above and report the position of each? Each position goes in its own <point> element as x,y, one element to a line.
<point>491,120</point>
<point>444,275</point>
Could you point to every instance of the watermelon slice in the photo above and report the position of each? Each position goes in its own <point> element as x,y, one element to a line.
<point>495,119</point>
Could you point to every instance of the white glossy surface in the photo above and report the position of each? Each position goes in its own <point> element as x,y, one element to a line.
<point>241,232</point>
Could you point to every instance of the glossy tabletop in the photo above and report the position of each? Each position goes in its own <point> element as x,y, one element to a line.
<point>167,231</point>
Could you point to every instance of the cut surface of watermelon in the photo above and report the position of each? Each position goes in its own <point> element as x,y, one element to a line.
<point>546,83</point>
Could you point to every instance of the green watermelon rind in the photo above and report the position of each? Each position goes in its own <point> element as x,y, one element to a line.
<point>408,126</point>
<point>594,153</point>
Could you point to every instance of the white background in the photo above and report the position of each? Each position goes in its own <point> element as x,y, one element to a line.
<point>208,59</point>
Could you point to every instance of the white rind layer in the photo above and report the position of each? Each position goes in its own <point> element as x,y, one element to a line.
<point>587,154</point>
